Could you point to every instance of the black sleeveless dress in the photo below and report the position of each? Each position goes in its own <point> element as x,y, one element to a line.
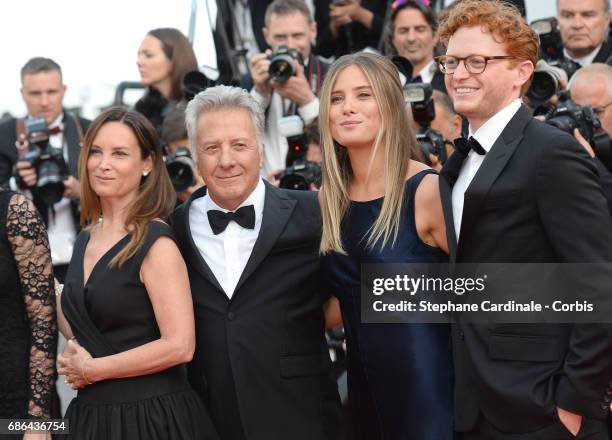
<point>400,376</point>
<point>112,313</point>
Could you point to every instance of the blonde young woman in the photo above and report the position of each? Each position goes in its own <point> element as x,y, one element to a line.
<point>380,205</point>
<point>126,303</point>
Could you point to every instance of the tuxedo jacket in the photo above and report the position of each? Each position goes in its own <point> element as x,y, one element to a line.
<point>9,156</point>
<point>535,199</point>
<point>261,363</point>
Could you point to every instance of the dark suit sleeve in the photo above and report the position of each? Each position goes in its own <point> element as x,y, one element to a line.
<point>577,223</point>
<point>605,178</point>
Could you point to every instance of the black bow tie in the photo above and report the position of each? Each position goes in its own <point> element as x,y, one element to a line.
<point>463,146</point>
<point>219,220</point>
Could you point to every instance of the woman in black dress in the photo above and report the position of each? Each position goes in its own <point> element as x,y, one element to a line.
<point>28,326</point>
<point>164,57</point>
<point>127,300</point>
<point>379,205</point>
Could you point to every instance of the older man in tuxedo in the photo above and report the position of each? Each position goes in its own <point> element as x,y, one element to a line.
<point>261,362</point>
<point>521,191</point>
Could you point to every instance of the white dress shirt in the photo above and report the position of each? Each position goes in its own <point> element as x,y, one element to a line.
<point>228,252</point>
<point>427,72</point>
<point>61,228</point>
<point>486,135</point>
<point>585,60</point>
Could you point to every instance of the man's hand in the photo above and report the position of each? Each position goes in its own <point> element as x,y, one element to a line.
<point>570,420</point>
<point>27,173</point>
<point>259,72</point>
<point>72,188</point>
<point>274,177</point>
<point>584,142</point>
<point>296,88</point>
<point>338,17</point>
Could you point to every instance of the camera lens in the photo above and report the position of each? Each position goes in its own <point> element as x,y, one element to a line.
<point>181,174</point>
<point>294,181</point>
<point>281,68</point>
<point>543,87</point>
<point>50,182</point>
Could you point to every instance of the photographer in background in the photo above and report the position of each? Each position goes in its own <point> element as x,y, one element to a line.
<point>592,85</point>
<point>288,78</point>
<point>354,25</point>
<point>42,90</point>
<point>446,122</point>
<point>584,28</point>
<point>435,122</point>
<point>412,35</point>
<point>303,169</point>
<point>177,154</point>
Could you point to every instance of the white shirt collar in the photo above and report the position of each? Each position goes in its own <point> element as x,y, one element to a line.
<point>427,72</point>
<point>488,133</point>
<point>586,60</point>
<point>256,198</point>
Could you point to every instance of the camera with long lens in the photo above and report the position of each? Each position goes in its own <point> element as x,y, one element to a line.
<point>282,63</point>
<point>300,173</point>
<point>546,83</point>
<point>423,111</point>
<point>551,45</point>
<point>568,115</point>
<point>49,163</point>
<point>181,169</point>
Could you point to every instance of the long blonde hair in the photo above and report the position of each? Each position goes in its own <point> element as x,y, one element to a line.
<point>156,197</point>
<point>395,136</point>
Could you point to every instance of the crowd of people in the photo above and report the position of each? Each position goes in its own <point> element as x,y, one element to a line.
<point>200,311</point>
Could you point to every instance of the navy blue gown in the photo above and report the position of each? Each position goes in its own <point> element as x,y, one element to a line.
<point>399,375</point>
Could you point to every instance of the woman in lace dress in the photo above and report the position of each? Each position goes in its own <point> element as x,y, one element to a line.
<point>28,326</point>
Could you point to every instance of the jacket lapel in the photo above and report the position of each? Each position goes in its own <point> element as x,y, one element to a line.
<point>194,255</point>
<point>449,175</point>
<point>73,143</point>
<point>493,164</point>
<point>276,213</point>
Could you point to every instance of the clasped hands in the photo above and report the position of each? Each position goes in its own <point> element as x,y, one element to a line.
<point>73,363</point>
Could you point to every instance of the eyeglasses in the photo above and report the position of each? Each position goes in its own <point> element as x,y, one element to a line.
<point>600,110</point>
<point>473,63</point>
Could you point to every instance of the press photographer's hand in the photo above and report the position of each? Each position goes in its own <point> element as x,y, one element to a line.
<point>260,64</point>
<point>296,88</point>
<point>72,188</point>
<point>26,173</point>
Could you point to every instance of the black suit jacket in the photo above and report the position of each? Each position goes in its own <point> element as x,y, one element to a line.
<point>261,363</point>
<point>604,53</point>
<point>8,154</point>
<point>536,198</point>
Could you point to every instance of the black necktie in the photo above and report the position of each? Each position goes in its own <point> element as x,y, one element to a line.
<point>219,220</point>
<point>463,146</point>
